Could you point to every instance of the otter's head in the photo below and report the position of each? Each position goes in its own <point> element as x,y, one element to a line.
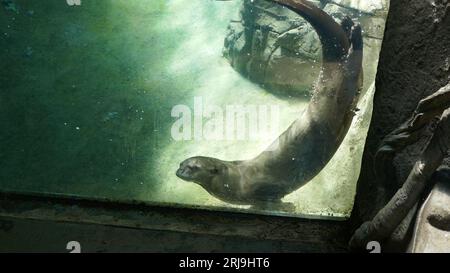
<point>201,170</point>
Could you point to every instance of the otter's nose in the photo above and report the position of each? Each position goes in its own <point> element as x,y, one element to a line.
<point>179,172</point>
<point>184,173</point>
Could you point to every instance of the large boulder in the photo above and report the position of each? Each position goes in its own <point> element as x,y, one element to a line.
<point>274,47</point>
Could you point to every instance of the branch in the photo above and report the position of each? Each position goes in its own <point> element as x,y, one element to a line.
<point>409,132</point>
<point>387,219</point>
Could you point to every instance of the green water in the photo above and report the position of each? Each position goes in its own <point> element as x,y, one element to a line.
<point>87,94</point>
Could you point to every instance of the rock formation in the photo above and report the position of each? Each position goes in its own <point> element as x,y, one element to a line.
<point>273,47</point>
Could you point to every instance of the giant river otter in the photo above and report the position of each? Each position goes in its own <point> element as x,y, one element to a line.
<point>304,149</point>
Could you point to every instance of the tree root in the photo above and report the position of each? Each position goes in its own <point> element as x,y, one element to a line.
<point>388,218</point>
<point>409,132</point>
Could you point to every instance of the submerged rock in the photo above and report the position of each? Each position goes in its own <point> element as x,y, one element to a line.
<point>276,48</point>
<point>372,6</point>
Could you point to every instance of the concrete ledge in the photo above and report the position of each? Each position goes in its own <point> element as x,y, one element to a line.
<point>53,215</point>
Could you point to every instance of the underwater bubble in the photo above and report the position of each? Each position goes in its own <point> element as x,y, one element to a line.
<point>10,5</point>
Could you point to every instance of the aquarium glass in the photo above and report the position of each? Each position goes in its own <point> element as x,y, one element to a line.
<point>104,99</point>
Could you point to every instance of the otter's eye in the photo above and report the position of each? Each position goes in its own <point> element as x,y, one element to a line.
<point>214,171</point>
<point>194,168</point>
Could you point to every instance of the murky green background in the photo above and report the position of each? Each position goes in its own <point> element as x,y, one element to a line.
<point>87,93</point>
